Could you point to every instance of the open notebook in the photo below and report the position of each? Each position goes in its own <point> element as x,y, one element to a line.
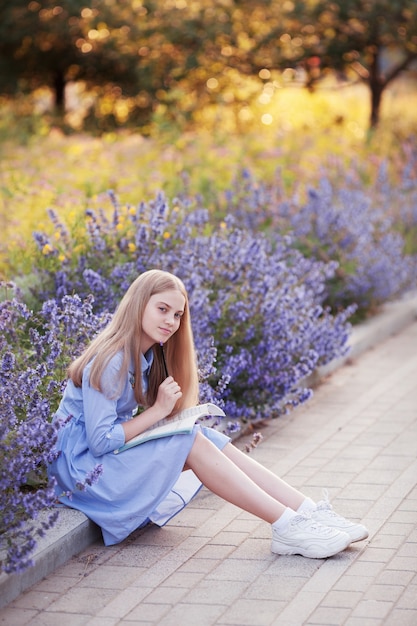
<point>180,423</point>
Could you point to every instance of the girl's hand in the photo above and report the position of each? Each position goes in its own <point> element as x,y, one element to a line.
<point>168,393</point>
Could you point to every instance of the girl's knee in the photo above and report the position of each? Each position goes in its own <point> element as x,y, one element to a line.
<point>201,445</point>
<point>199,441</point>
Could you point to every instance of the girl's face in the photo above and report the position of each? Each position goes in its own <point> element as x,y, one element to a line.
<point>161,318</point>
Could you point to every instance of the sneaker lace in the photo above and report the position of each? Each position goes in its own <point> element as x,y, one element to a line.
<point>324,505</point>
<point>308,523</point>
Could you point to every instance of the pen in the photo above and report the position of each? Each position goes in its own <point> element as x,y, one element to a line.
<point>163,360</point>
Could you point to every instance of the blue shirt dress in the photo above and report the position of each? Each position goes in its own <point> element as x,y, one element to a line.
<point>143,484</point>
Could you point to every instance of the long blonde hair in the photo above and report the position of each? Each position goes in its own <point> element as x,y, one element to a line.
<point>123,334</point>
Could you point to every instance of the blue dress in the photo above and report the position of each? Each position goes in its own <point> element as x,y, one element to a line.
<point>140,485</point>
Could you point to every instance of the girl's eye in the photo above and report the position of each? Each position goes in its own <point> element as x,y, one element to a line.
<point>178,316</point>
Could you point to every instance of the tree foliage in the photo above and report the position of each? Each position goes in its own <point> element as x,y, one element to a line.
<point>49,43</point>
<point>186,55</point>
<point>372,41</point>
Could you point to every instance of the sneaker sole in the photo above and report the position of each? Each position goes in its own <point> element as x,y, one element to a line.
<point>312,551</point>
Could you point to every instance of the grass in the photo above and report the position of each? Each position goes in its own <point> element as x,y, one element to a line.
<point>292,134</point>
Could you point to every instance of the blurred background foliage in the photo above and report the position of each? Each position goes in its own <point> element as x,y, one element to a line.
<point>178,96</point>
<point>97,65</point>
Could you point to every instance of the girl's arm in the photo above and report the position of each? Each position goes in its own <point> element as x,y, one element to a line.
<point>168,394</point>
<point>104,435</point>
<point>100,411</point>
<point>100,414</point>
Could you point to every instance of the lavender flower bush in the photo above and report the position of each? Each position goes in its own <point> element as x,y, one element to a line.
<point>259,323</point>
<point>371,233</point>
<point>372,265</point>
<point>34,351</point>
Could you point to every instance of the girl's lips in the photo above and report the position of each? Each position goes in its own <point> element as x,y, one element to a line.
<point>165,331</point>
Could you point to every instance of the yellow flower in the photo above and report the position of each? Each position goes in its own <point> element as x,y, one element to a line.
<point>166,235</point>
<point>61,257</point>
<point>131,246</point>
<point>47,249</point>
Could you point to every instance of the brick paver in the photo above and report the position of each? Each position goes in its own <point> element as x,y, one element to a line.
<point>212,564</point>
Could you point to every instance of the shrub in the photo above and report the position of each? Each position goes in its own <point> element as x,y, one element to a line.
<point>34,350</point>
<point>259,326</point>
<point>256,301</point>
<point>371,234</point>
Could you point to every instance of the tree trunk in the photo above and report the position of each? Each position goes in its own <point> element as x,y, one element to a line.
<point>376,85</point>
<point>59,92</point>
<point>376,98</point>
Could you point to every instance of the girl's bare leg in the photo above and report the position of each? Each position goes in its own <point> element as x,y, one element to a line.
<point>265,479</point>
<point>243,482</point>
<point>220,473</point>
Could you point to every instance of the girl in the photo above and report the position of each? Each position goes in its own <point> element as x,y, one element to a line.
<point>122,368</point>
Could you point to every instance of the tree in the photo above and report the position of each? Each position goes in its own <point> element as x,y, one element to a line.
<point>185,55</point>
<point>373,41</point>
<point>46,43</point>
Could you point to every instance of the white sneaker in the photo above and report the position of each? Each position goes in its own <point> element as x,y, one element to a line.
<point>309,538</point>
<point>325,515</point>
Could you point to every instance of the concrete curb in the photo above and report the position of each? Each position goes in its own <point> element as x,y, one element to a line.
<point>390,320</point>
<point>73,532</point>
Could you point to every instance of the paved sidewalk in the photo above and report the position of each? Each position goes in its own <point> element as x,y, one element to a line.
<point>212,564</point>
